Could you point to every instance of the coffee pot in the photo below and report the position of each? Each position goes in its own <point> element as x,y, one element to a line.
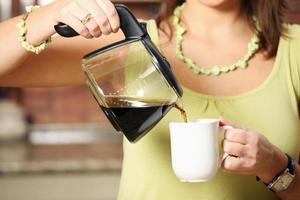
<point>131,80</point>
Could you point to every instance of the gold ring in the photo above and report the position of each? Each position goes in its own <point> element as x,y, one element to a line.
<point>86,19</point>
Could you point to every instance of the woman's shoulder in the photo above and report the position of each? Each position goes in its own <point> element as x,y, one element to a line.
<point>292,31</point>
<point>289,52</point>
<point>150,24</point>
<point>290,40</point>
<point>152,29</point>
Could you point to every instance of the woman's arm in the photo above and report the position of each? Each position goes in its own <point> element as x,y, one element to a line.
<point>59,64</point>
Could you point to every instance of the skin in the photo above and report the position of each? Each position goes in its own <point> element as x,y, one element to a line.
<point>60,65</point>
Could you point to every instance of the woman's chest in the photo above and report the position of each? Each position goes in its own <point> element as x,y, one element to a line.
<point>256,97</point>
<point>231,83</point>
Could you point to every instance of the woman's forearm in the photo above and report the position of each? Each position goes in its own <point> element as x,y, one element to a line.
<point>60,63</point>
<point>40,27</point>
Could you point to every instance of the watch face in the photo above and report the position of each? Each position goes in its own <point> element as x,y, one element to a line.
<point>283,182</point>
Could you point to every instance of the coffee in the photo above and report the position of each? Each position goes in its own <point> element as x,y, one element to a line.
<point>182,112</point>
<point>133,116</point>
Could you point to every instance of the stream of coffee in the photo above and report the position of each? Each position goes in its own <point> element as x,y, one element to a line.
<point>182,112</point>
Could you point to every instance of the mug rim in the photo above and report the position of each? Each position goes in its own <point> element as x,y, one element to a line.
<point>200,120</point>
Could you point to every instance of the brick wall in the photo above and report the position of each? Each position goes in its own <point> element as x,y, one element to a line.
<point>69,104</point>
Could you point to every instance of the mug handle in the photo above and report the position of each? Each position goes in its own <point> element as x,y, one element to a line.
<point>224,155</point>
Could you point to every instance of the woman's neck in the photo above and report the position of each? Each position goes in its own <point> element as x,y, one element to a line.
<point>201,19</point>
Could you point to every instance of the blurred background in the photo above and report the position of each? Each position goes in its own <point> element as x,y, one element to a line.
<point>55,144</point>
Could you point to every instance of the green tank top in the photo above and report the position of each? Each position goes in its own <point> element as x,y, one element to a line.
<point>271,109</point>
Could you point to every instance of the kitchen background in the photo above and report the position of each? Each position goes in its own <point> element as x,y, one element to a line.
<point>55,143</point>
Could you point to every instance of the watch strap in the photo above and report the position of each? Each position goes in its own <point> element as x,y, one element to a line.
<point>291,165</point>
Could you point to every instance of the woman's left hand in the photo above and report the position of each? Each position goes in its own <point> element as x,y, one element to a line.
<point>251,153</point>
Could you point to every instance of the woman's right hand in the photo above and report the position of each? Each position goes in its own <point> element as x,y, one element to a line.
<point>104,17</point>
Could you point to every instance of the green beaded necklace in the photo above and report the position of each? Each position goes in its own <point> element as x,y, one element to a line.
<point>253,47</point>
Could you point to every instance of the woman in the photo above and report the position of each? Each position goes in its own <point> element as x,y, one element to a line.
<point>262,96</point>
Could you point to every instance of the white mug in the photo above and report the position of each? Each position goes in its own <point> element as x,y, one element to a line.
<point>195,149</point>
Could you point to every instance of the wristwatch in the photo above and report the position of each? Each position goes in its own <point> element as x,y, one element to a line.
<point>283,180</point>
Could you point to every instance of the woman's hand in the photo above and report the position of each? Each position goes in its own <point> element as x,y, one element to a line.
<point>251,153</point>
<point>104,18</point>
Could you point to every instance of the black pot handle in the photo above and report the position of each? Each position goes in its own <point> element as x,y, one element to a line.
<point>128,24</point>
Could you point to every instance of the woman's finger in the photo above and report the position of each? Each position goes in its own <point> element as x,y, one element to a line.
<point>235,164</point>
<point>82,14</point>
<point>111,13</point>
<point>224,122</point>
<point>234,149</point>
<point>67,17</point>
<point>93,27</point>
<point>236,135</point>
<point>99,16</point>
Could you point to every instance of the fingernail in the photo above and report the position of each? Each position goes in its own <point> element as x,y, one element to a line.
<point>116,30</point>
<point>85,33</point>
<point>89,36</point>
<point>222,121</point>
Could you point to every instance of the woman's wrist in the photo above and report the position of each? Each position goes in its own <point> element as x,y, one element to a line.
<point>278,164</point>
<point>40,25</point>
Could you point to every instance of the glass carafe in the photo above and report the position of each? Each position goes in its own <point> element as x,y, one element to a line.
<point>129,87</point>
<point>130,79</point>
